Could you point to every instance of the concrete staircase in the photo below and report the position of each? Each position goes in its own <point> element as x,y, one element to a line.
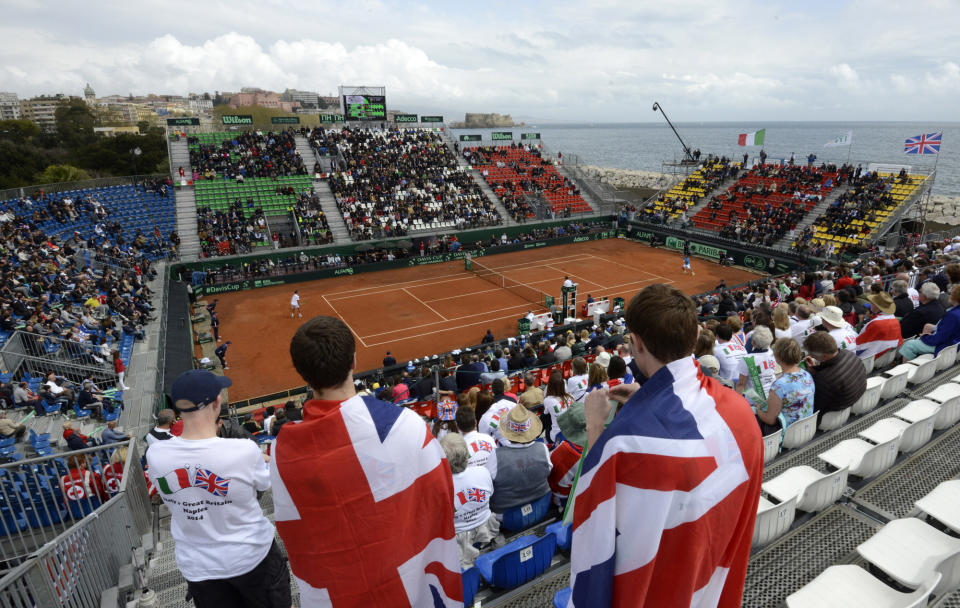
<point>186,201</point>
<point>812,216</point>
<point>703,202</point>
<point>484,187</point>
<point>338,228</point>
<point>180,157</point>
<point>306,152</point>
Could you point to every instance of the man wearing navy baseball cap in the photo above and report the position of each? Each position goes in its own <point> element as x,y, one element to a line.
<point>223,543</point>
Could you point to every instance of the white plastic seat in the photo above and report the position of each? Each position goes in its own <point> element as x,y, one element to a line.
<point>912,435</point>
<point>771,447</point>
<point>853,587</point>
<point>863,458</point>
<point>918,409</point>
<point>867,363</point>
<point>909,550</point>
<point>813,490</point>
<point>871,396</point>
<point>948,396</point>
<point>941,504</point>
<point>834,420</point>
<point>921,372</point>
<point>896,381</point>
<point>773,520</point>
<point>947,357</point>
<point>800,432</point>
<point>885,359</point>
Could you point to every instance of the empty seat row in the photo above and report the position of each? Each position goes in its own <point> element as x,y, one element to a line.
<point>910,553</point>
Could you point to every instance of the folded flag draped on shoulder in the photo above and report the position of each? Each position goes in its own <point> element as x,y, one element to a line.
<point>925,143</point>
<point>355,486</point>
<point>751,139</point>
<point>843,140</point>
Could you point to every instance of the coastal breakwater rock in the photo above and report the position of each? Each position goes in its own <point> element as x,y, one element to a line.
<point>630,178</point>
<point>943,209</point>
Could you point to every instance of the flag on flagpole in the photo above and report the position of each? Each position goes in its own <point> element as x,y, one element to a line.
<point>174,481</point>
<point>843,140</point>
<point>925,143</point>
<point>751,139</point>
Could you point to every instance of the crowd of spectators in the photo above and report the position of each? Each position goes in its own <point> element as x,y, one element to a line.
<point>675,202</point>
<point>390,181</point>
<point>304,261</point>
<point>853,214</point>
<point>246,155</point>
<point>518,171</point>
<point>231,231</point>
<point>314,228</point>
<point>768,201</point>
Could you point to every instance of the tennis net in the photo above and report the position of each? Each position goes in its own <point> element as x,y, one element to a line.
<point>530,294</point>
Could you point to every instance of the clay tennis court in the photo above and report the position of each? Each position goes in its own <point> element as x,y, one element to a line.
<point>418,311</point>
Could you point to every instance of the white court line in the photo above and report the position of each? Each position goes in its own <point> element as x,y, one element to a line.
<point>585,280</point>
<point>486,312</point>
<point>665,279</point>
<point>464,295</point>
<point>425,304</point>
<point>454,328</point>
<point>365,345</point>
<point>433,280</point>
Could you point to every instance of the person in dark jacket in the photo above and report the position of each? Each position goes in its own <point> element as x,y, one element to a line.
<point>839,377</point>
<point>230,429</point>
<point>727,306</point>
<point>469,373</point>
<point>929,311</point>
<point>901,299</point>
<point>516,360</point>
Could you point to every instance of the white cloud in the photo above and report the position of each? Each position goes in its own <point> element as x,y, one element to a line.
<point>691,55</point>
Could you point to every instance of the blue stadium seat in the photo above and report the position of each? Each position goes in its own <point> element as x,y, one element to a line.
<point>517,562</point>
<point>563,533</point>
<point>82,413</point>
<point>50,409</point>
<point>471,583</point>
<point>522,517</point>
<point>562,598</point>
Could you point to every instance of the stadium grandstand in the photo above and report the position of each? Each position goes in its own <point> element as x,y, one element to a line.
<point>518,171</point>
<point>112,289</point>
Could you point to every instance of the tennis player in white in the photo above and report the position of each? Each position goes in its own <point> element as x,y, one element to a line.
<point>295,305</point>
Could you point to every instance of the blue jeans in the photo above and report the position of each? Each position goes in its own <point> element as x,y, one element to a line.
<point>915,347</point>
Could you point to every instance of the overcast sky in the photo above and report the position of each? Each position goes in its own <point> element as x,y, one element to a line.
<point>703,60</point>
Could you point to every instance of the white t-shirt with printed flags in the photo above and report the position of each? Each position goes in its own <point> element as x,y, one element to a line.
<point>210,487</point>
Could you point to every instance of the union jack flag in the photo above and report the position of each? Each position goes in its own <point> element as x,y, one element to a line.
<point>211,482</point>
<point>671,486</point>
<point>477,494</point>
<point>925,143</point>
<point>351,477</point>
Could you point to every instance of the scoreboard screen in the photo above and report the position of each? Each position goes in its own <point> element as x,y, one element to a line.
<point>365,107</point>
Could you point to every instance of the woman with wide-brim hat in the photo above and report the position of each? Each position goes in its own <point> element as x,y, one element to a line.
<point>521,464</point>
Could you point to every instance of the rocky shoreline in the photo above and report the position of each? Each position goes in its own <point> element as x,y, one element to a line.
<point>944,209</point>
<point>629,178</point>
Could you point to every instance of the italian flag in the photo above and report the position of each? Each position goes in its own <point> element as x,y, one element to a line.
<point>174,481</point>
<point>751,139</point>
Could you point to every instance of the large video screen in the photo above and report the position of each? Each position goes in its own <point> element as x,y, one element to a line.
<point>365,107</point>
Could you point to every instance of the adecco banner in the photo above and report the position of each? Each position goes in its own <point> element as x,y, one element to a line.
<point>439,258</point>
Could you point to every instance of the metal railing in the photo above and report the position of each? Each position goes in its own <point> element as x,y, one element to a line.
<point>159,402</point>
<point>29,353</point>
<point>89,506</point>
<point>23,191</point>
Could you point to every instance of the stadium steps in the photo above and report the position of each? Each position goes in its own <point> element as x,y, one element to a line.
<point>702,203</point>
<point>187,223</point>
<point>338,228</point>
<point>179,157</point>
<point>786,241</point>
<point>306,152</point>
<point>484,186</point>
